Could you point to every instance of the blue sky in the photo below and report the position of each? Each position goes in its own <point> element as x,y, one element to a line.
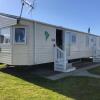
<point>75,14</point>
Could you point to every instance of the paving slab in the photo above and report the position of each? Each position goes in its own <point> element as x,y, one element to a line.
<point>79,72</point>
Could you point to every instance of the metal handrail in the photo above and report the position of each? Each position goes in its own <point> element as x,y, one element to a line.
<point>59,53</point>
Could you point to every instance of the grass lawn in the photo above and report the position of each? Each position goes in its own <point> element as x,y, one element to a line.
<point>21,84</point>
<point>95,70</point>
<point>2,65</point>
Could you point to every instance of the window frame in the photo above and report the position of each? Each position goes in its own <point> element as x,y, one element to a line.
<point>22,43</point>
<point>75,37</point>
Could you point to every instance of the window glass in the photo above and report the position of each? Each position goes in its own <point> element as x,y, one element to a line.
<point>1,38</point>
<point>92,40</point>
<point>5,35</point>
<point>20,35</point>
<point>73,38</point>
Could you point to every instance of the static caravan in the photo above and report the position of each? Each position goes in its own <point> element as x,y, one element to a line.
<point>31,42</point>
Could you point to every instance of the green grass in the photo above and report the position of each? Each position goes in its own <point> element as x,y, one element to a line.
<point>22,84</point>
<point>95,70</point>
<point>2,65</point>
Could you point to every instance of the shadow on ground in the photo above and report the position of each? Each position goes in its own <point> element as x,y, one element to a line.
<point>70,87</point>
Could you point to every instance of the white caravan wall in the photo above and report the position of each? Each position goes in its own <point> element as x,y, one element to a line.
<point>6,49</point>
<point>97,46</point>
<point>44,48</point>
<point>78,49</point>
<point>98,43</point>
<point>23,54</point>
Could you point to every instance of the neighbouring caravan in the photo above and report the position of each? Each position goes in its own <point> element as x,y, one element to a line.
<point>31,42</point>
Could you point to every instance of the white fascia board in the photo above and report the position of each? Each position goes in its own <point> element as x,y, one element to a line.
<point>6,21</point>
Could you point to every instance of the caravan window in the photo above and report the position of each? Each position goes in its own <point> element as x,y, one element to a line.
<point>5,35</point>
<point>73,38</point>
<point>20,36</point>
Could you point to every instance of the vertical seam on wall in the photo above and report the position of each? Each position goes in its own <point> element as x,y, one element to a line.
<point>34,41</point>
<point>11,44</point>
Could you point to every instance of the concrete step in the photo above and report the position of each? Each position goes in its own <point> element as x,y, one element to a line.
<point>70,69</point>
<point>61,67</point>
<point>61,62</point>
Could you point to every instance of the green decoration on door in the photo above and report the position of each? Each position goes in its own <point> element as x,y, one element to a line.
<point>46,35</point>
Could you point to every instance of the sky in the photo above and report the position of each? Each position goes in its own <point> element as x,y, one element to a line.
<point>74,14</point>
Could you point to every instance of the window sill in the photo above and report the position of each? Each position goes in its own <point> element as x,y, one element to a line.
<point>20,43</point>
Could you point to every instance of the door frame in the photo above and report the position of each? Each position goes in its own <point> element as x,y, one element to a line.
<point>62,40</point>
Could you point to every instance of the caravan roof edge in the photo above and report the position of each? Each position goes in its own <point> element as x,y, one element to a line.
<point>17,17</point>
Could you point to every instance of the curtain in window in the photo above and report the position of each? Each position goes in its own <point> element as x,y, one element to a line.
<point>20,35</point>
